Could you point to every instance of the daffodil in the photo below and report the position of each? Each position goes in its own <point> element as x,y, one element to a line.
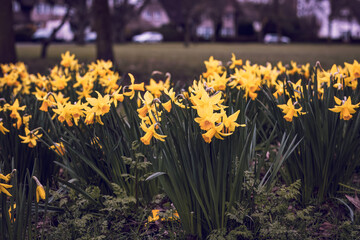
<point>149,133</point>
<point>69,61</point>
<point>279,86</point>
<point>30,137</point>
<point>147,101</point>
<point>59,148</point>
<point>134,87</point>
<point>235,62</point>
<point>167,105</point>
<point>100,105</point>
<point>213,66</point>
<point>230,121</point>
<point>207,121</point>
<point>64,112</point>
<point>205,104</point>
<point>290,110</point>
<point>14,108</point>
<point>154,215</point>
<point>40,191</point>
<point>109,81</point>
<point>3,129</point>
<point>354,69</point>
<point>7,177</point>
<point>214,132</point>
<point>217,82</point>
<point>247,80</point>
<point>59,82</point>
<point>11,209</point>
<point>3,188</point>
<point>345,108</point>
<point>294,68</point>
<point>281,67</point>
<point>156,88</point>
<point>117,96</point>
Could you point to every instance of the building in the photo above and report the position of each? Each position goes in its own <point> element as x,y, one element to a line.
<point>342,27</point>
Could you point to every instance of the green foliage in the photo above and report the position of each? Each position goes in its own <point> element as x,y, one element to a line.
<point>83,219</point>
<point>270,215</point>
<point>329,150</point>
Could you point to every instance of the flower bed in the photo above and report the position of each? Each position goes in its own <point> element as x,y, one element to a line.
<point>214,149</point>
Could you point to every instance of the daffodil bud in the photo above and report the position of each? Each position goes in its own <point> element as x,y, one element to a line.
<point>40,191</point>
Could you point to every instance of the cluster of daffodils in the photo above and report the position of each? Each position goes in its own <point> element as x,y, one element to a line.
<point>73,93</point>
<point>212,116</point>
<point>252,77</point>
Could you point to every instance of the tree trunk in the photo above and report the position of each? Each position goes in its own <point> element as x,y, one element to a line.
<point>104,41</point>
<point>7,34</point>
<point>187,33</point>
<point>329,39</point>
<point>81,21</point>
<point>277,19</point>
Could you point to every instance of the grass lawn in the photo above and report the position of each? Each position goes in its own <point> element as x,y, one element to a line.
<point>185,64</point>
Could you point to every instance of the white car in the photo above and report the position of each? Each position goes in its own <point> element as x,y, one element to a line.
<point>150,37</point>
<point>273,38</point>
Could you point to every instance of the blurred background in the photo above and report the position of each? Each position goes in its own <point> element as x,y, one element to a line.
<point>177,36</point>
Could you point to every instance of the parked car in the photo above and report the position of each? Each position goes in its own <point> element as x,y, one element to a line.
<point>90,36</point>
<point>150,37</point>
<point>273,38</point>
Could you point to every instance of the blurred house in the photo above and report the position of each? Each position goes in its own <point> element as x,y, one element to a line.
<point>343,26</point>
<point>206,27</point>
<point>234,16</point>
<point>154,14</point>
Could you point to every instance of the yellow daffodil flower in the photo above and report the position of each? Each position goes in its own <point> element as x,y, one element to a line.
<point>3,188</point>
<point>213,66</point>
<point>167,105</point>
<point>235,62</point>
<point>59,148</point>
<point>281,67</point>
<point>214,131</point>
<point>60,82</point>
<point>217,82</point>
<point>149,133</point>
<point>3,129</point>
<point>354,69</point>
<point>100,105</point>
<point>7,177</point>
<point>30,137</point>
<point>147,101</point>
<point>11,209</point>
<point>207,121</point>
<point>230,121</point>
<point>40,191</point>
<point>134,87</point>
<point>15,108</point>
<point>116,96</point>
<point>69,61</point>
<point>279,86</point>
<point>345,108</point>
<point>290,110</point>
<point>155,216</point>
<point>156,88</point>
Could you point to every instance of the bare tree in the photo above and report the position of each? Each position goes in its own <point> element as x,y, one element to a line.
<point>46,42</point>
<point>7,35</point>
